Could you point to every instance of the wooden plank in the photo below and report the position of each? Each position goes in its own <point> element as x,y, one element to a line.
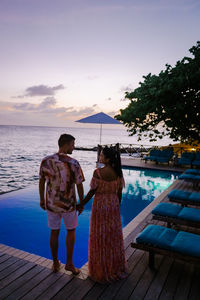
<point>195,287</point>
<point>63,293</point>
<point>6,262</point>
<point>4,248</point>
<point>184,284</point>
<point>4,257</point>
<point>42,260</point>
<point>32,257</point>
<point>128,252</point>
<point>170,285</point>
<point>96,291</point>
<point>143,285</point>
<point>133,279</point>
<point>81,289</point>
<point>28,286</point>
<point>22,268</point>
<point>55,288</point>
<point>21,280</point>
<point>10,250</point>
<point>113,288</point>
<point>75,289</point>
<point>42,286</point>
<point>156,286</point>
<point>23,254</point>
<point>12,268</point>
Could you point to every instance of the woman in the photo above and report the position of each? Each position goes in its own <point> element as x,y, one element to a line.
<point>106,260</point>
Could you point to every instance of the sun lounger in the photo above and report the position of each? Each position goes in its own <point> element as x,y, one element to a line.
<point>196,161</point>
<point>170,242</point>
<point>184,198</point>
<point>186,158</point>
<point>159,156</point>
<point>152,155</point>
<point>192,171</point>
<point>191,177</point>
<point>175,214</point>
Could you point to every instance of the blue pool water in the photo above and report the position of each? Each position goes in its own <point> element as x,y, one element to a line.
<point>24,224</point>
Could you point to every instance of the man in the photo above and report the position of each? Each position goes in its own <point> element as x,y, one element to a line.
<point>60,173</point>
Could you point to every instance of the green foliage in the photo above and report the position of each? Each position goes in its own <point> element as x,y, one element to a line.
<point>168,103</point>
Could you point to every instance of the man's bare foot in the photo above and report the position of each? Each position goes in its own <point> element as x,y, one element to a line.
<point>56,266</point>
<point>71,268</point>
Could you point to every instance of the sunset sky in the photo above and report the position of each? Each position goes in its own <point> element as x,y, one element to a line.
<point>66,59</point>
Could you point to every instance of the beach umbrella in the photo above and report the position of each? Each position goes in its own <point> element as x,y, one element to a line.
<point>99,118</point>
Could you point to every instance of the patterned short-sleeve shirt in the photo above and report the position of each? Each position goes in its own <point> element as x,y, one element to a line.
<point>61,173</point>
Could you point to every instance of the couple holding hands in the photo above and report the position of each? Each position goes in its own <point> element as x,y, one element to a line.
<point>59,174</point>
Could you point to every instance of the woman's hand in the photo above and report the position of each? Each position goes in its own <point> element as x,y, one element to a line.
<point>79,208</point>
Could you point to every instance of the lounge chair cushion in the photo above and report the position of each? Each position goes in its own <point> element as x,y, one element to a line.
<point>178,194</point>
<point>189,177</point>
<point>190,214</point>
<point>170,239</point>
<point>176,211</point>
<point>158,236</point>
<point>187,243</point>
<point>195,197</point>
<point>167,209</point>
<point>162,159</point>
<point>192,171</point>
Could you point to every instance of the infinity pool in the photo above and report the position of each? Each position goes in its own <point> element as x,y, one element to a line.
<point>24,224</point>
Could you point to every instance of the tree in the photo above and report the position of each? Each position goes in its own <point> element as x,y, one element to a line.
<point>168,103</point>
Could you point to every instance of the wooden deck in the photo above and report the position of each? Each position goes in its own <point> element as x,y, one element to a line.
<point>27,276</point>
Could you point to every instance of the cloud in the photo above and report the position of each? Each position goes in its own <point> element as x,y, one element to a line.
<point>45,113</point>
<point>41,90</point>
<point>47,107</point>
<point>127,88</point>
<point>112,113</point>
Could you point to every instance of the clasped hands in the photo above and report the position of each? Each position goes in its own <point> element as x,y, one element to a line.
<point>79,208</point>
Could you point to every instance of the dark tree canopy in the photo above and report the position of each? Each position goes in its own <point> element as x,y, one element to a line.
<point>168,103</point>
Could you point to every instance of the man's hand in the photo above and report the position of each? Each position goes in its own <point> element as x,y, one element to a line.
<point>41,191</point>
<point>79,208</point>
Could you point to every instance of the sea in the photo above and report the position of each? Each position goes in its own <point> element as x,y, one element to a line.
<point>23,147</point>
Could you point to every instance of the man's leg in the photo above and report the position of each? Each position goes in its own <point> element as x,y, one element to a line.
<point>54,221</point>
<point>54,243</point>
<point>70,241</point>
<point>54,248</point>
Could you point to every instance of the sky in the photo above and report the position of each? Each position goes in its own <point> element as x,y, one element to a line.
<point>67,59</point>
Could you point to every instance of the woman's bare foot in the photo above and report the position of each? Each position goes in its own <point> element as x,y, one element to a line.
<point>71,268</point>
<point>56,266</point>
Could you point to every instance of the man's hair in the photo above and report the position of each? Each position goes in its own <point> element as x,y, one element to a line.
<point>65,139</point>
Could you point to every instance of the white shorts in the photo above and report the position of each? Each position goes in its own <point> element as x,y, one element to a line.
<point>54,219</point>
